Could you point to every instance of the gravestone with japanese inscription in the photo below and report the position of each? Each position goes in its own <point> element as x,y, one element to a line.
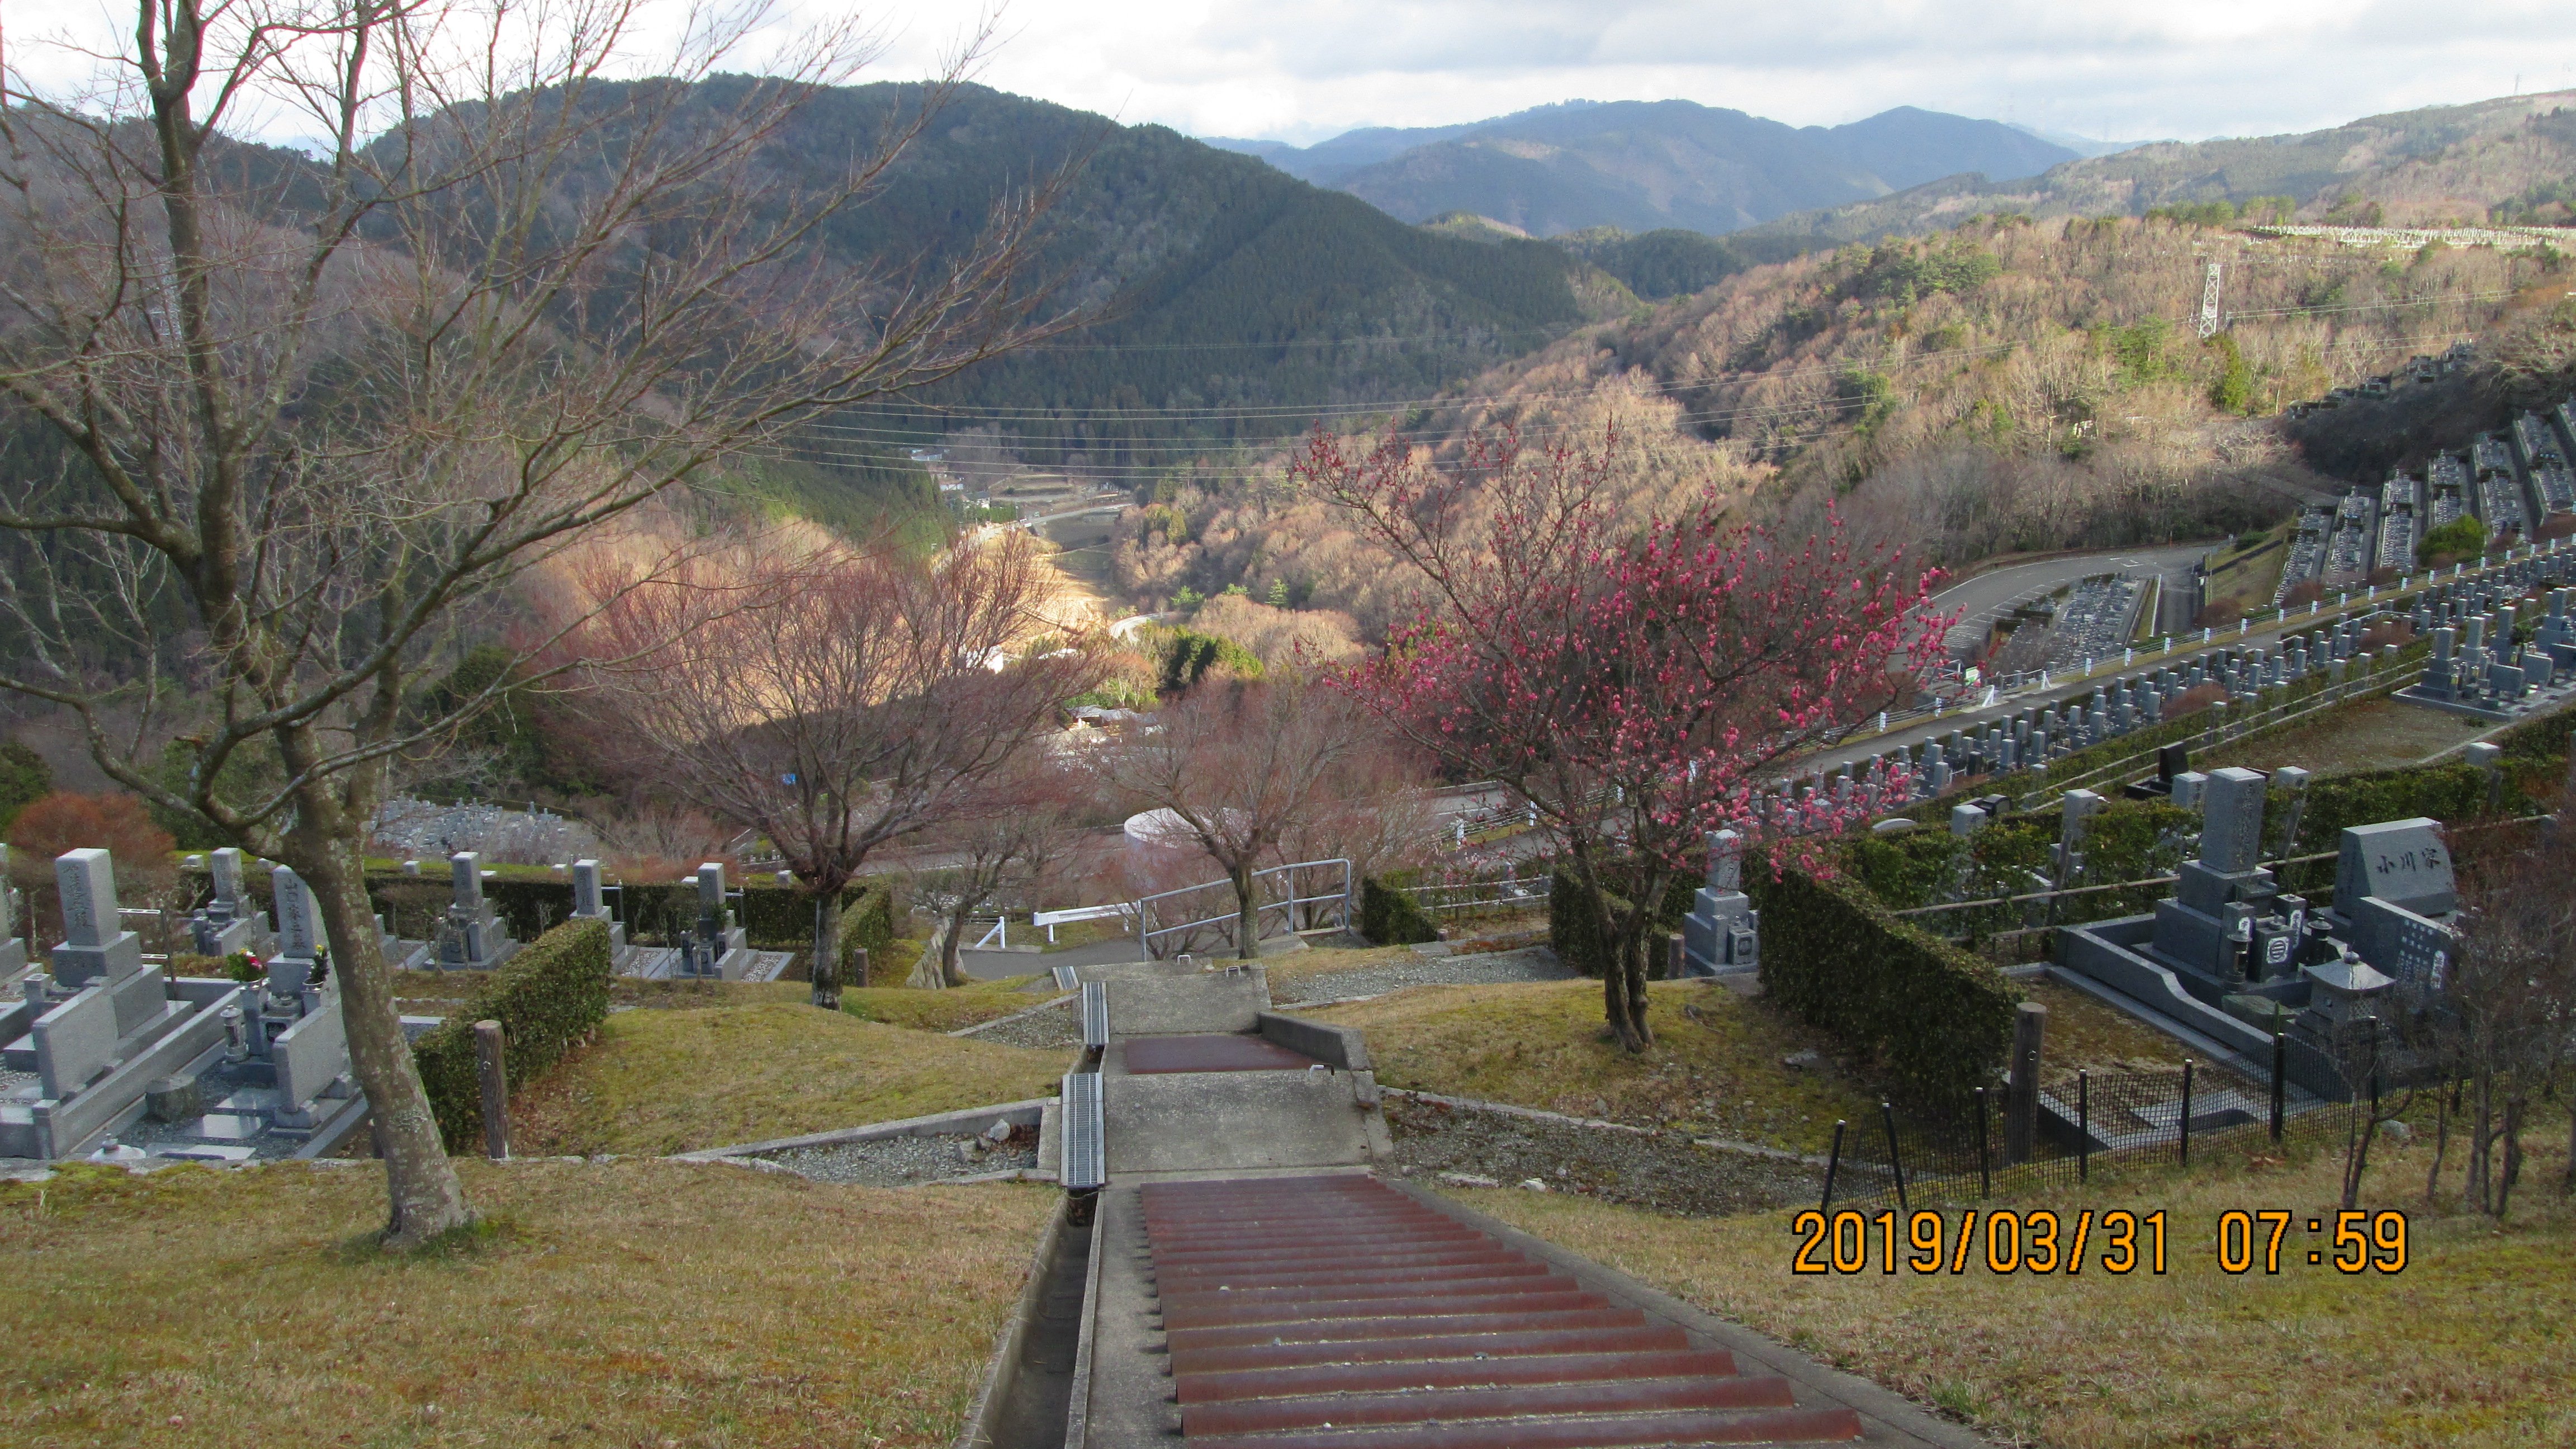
<point>96,946</point>
<point>1722,933</point>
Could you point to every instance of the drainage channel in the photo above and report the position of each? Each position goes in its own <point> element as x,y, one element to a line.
<point>1037,1388</point>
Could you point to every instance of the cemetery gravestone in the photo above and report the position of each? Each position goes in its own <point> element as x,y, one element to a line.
<point>96,946</point>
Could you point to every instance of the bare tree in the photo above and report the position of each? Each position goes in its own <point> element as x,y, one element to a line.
<point>838,702</point>
<point>1240,764</point>
<point>308,423</point>
<point>2512,998</point>
<point>1000,843</point>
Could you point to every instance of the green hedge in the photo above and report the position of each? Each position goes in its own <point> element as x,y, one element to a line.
<point>1934,1020</point>
<point>868,925</point>
<point>775,917</point>
<point>1575,932</point>
<point>550,995</point>
<point>1389,915</point>
<point>2128,840</point>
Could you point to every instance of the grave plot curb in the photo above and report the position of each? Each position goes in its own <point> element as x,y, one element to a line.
<point>1473,1104</point>
<point>1888,1418</point>
<point>937,1124</point>
<point>983,1418</point>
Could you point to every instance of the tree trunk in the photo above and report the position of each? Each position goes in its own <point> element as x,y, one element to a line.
<point>2441,1142</point>
<point>2356,1160</point>
<point>826,970</point>
<point>2481,1142</point>
<point>1247,913</point>
<point>2513,1107</point>
<point>927,973</point>
<point>949,974</point>
<point>1622,985</point>
<point>424,1197</point>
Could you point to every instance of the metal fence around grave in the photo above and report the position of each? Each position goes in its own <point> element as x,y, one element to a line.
<point>2089,1122</point>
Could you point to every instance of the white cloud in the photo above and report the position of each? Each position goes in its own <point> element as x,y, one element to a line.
<point>1305,69</point>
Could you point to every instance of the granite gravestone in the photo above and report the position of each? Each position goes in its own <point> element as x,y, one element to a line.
<point>1722,933</point>
<point>96,946</point>
<point>13,951</point>
<point>299,935</point>
<point>2404,862</point>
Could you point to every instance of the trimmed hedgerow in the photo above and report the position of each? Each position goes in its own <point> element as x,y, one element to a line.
<point>1389,916</point>
<point>550,995</point>
<point>1575,933</point>
<point>1933,1020</point>
<point>775,917</point>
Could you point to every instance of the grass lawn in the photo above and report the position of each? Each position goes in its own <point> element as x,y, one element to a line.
<point>1542,1044</point>
<point>2375,734</point>
<point>629,1303</point>
<point>676,1081</point>
<point>434,992</point>
<point>2241,579</point>
<point>2468,1346</point>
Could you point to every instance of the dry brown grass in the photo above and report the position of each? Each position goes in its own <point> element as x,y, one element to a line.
<point>1319,961</point>
<point>632,1303</point>
<point>2467,1347</point>
<point>1542,1044</point>
<point>2375,734</point>
<point>677,1081</point>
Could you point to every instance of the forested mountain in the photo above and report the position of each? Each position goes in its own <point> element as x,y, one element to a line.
<point>1649,165</point>
<point>2010,385</point>
<point>1207,279</point>
<point>2499,160</point>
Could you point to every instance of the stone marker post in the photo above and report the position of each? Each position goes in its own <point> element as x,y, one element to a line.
<point>496,1090</point>
<point>13,952</point>
<point>2021,1098</point>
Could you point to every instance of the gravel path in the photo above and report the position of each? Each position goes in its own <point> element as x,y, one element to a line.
<point>1535,963</point>
<point>904,1161</point>
<point>1663,1171</point>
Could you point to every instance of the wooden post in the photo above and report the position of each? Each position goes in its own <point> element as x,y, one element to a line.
<point>496,1090</point>
<point>2021,1103</point>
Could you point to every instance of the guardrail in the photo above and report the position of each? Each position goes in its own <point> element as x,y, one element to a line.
<point>1279,904</point>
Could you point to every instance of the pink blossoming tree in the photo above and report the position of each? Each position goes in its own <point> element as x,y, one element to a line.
<point>1635,685</point>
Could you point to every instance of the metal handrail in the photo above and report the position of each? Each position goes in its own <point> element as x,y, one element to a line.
<point>1154,937</point>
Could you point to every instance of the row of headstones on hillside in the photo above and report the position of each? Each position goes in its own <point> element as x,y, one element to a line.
<point>127,1060</point>
<point>2480,667</point>
<point>2236,958</point>
<point>199,1067</point>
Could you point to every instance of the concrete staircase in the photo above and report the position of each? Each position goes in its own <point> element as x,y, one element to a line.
<point>1331,1311</point>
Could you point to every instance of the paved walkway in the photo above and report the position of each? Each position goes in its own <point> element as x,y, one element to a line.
<point>1257,1287</point>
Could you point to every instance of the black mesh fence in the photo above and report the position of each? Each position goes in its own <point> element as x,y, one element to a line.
<point>2085,1122</point>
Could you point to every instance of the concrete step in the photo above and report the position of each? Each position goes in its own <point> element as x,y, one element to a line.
<point>1477,1368</point>
<point>1625,1431</point>
<point>1321,1332</point>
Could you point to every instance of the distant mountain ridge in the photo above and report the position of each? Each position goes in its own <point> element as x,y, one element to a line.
<point>2435,165</point>
<point>1647,165</point>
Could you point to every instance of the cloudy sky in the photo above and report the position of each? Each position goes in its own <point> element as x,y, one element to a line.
<point>1301,70</point>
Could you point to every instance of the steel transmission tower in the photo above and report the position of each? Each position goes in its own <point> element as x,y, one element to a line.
<point>2209,305</point>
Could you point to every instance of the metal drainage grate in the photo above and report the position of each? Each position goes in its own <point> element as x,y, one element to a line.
<point>1095,1015</point>
<point>1086,1157</point>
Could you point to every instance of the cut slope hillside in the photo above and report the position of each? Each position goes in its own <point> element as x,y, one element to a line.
<point>2008,386</point>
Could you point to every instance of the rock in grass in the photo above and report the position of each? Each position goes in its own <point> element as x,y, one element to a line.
<point>1467,1179</point>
